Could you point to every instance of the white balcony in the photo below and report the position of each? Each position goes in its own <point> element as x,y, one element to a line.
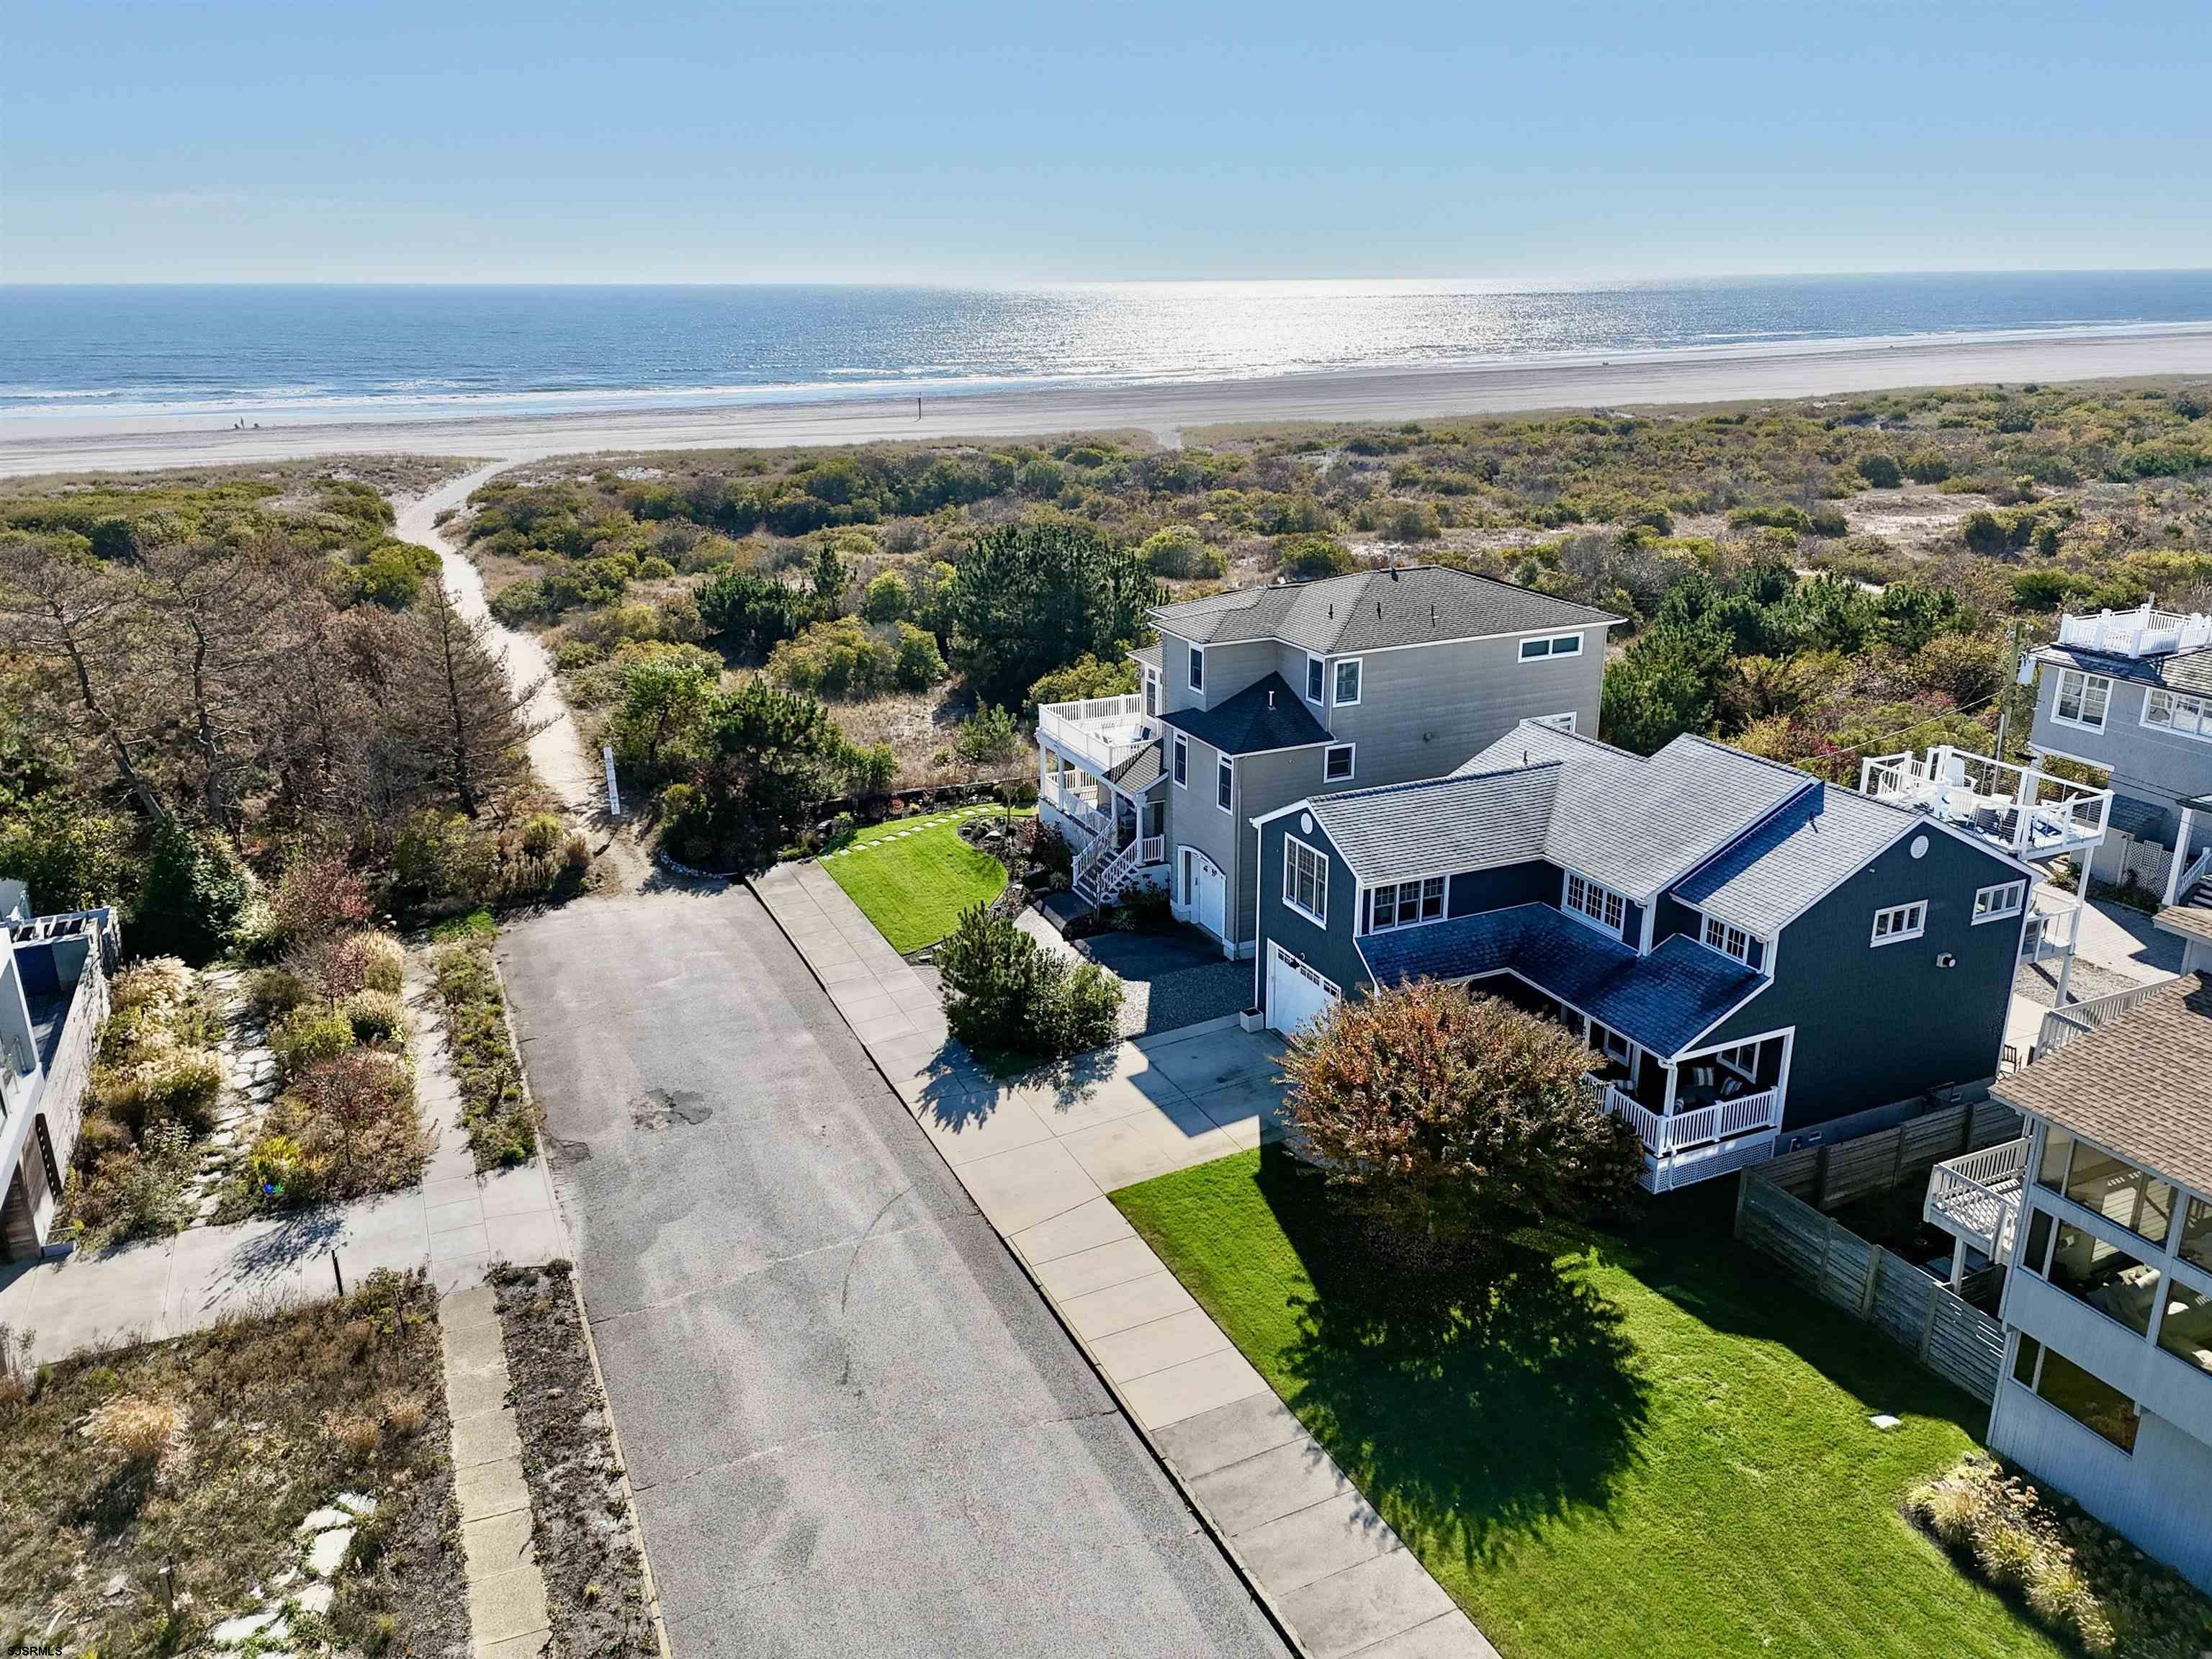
<point>1692,1143</point>
<point>1976,1200</point>
<point>2022,810</point>
<point>1098,734</point>
<point>2145,631</point>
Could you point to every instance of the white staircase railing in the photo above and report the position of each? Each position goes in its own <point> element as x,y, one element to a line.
<point>2077,1019</point>
<point>1977,1196</point>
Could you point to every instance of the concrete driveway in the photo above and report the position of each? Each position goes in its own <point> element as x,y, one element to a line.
<point>852,1426</point>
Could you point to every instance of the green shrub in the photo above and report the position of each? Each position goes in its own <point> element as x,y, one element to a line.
<point>1004,994</point>
<point>317,1032</point>
<point>521,603</point>
<point>494,1105</point>
<point>1086,677</point>
<point>871,770</point>
<point>1771,517</point>
<point>375,1016</point>
<point>986,737</point>
<point>167,1085</point>
<point>653,569</point>
<point>1880,470</point>
<point>1181,552</point>
<point>887,598</point>
<point>194,891</point>
<point>363,962</point>
<point>847,659</point>
<point>1311,558</point>
<point>137,1191</point>
<point>274,991</point>
<point>1929,465</point>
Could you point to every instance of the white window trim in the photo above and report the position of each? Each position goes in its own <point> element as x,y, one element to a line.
<point>1351,771</point>
<point>1152,698</point>
<point>1395,889</point>
<point>2203,714</point>
<point>1704,937</point>
<point>2017,890</point>
<point>2088,679</point>
<point>1179,762</point>
<point>1555,645</point>
<point>1321,663</point>
<point>1196,672</point>
<point>1319,918</point>
<point>1224,769</point>
<point>1596,924</point>
<point>1359,667</point>
<point>1877,937</point>
<point>1562,722</point>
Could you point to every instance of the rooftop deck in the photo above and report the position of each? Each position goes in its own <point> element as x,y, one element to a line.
<point>1098,734</point>
<point>2143,632</point>
<point>2022,810</point>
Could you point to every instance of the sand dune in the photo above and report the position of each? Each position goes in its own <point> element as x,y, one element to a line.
<point>29,445</point>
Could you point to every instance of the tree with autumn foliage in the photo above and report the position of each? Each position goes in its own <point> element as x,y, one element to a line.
<point>1450,1119</point>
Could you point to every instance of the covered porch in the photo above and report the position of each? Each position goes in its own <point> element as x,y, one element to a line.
<point>1114,816</point>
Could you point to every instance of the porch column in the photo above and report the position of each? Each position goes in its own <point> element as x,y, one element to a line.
<point>1666,1111</point>
<point>2180,855</point>
<point>2073,944</point>
<point>1045,757</point>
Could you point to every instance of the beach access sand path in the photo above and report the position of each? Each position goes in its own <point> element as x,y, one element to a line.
<point>556,749</point>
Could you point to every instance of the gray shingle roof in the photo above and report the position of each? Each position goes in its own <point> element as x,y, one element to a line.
<point>1266,714</point>
<point>1638,825</point>
<point>1148,656</point>
<point>1663,1001</point>
<point>2184,671</point>
<point>2140,1085</point>
<point>1471,821</point>
<point>1141,771</point>
<point>1781,869</point>
<point>2144,819</point>
<point>1370,610</point>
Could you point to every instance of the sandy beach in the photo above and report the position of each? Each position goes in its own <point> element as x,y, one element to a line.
<point>35,445</point>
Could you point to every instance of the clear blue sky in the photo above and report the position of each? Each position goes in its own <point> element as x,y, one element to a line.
<point>538,140</point>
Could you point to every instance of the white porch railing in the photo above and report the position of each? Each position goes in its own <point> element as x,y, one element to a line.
<point>2062,1025</point>
<point>1100,732</point>
<point>2022,809</point>
<point>2142,632</point>
<point>1069,803</point>
<point>1665,1136</point>
<point>1977,1197</point>
<point>1103,879</point>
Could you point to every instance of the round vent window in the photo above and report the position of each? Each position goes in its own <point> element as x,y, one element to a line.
<point>1920,847</point>
<point>1305,824</point>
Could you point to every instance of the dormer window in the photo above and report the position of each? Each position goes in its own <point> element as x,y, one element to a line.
<point>1729,941</point>
<point>1601,906</point>
<point>1197,669</point>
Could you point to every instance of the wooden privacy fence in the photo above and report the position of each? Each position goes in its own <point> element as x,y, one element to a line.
<point>1834,1174</point>
<point>1961,1344</point>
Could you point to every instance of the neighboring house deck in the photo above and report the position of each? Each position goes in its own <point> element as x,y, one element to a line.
<point>53,995</point>
<point>2108,1303</point>
<point>1755,956</point>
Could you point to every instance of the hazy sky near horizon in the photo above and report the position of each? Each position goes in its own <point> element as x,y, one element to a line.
<point>540,140</point>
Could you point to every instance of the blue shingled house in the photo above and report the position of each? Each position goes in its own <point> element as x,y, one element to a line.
<point>1759,957</point>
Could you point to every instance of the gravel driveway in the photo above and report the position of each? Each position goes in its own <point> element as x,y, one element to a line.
<point>852,1426</point>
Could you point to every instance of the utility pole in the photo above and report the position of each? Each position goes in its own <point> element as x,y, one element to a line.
<point>2011,675</point>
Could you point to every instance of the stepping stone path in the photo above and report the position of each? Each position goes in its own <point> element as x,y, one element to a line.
<point>917,826</point>
<point>325,1537</point>
<point>249,1069</point>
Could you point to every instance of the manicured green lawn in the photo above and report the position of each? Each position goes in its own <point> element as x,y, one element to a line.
<point>1645,1447</point>
<point>914,877</point>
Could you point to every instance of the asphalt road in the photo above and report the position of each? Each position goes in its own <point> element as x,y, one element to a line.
<point>853,1427</point>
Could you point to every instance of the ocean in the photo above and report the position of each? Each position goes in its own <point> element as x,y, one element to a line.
<point>260,352</point>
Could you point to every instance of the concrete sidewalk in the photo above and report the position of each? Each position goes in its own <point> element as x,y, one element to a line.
<point>1038,1155</point>
<point>455,1224</point>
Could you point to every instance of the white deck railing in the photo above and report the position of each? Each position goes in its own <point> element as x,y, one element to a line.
<point>2076,1019</point>
<point>1070,805</point>
<point>2142,632</point>
<point>1101,732</point>
<point>2022,809</point>
<point>1664,1136</point>
<point>1977,1197</point>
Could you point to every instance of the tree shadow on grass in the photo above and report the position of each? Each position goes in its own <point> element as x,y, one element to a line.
<point>1470,1405</point>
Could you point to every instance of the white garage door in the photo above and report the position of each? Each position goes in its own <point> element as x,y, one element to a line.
<point>1297,995</point>
<point>1206,893</point>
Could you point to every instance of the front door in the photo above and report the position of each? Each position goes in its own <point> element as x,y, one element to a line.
<point>1208,893</point>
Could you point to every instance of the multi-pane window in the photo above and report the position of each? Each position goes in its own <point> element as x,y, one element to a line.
<point>1406,903</point>
<point>1348,681</point>
<point>2115,1188</point>
<point>1601,904</point>
<point>2089,1401</point>
<point>1558,645</point>
<point>1224,786</point>
<point>2083,699</point>
<point>1306,879</point>
<point>1729,941</point>
<point>2173,712</point>
<point>1900,921</point>
<point>1336,764</point>
<point>1313,679</point>
<point>1996,904</point>
<point>1182,760</point>
<point>1151,692</point>
<point>1197,669</point>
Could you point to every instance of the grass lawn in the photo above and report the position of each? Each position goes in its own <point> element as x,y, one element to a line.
<point>912,877</point>
<point>1645,1446</point>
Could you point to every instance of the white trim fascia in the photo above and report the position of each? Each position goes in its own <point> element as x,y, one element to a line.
<point>1607,624</point>
<point>1765,985</point>
<point>2040,750</point>
<point>1303,803</point>
<point>1680,1055</point>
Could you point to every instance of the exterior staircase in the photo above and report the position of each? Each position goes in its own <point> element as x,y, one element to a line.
<point>1102,872</point>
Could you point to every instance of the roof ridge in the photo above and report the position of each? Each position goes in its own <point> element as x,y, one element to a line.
<point>1376,790</point>
<point>1763,760</point>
